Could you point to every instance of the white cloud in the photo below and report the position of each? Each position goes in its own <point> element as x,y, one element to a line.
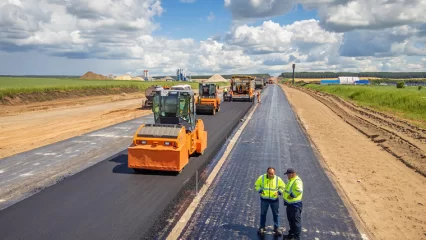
<point>110,36</point>
<point>300,37</point>
<point>243,9</point>
<point>77,28</point>
<point>338,15</point>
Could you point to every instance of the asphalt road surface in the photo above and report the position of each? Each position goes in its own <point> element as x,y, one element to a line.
<point>273,137</point>
<point>29,172</point>
<point>107,200</point>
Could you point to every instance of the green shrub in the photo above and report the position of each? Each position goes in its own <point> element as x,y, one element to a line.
<point>400,85</point>
<point>420,88</point>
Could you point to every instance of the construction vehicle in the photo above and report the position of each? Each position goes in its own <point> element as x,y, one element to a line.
<point>271,81</point>
<point>168,144</point>
<point>149,94</point>
<point>242,88</point>
<point>208,99</point>
<point>259,83</point>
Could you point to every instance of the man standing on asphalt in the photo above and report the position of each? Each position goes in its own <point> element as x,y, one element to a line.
<point>293,200</point>
<point>269,187</point>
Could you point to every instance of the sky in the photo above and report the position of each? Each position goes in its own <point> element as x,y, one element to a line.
<point>71,37</point>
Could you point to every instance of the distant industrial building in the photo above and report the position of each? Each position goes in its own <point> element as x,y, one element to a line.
<point>345,81</point>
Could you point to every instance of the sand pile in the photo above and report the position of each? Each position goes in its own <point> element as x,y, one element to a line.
<point>124,77</point>
<point>216,78</point>
<point>138,78</point>
<point>93,76</point>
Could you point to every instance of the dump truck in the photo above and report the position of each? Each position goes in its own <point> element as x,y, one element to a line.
<point>175,135</point>
<point>149,94</point>
<point>208,99</point>
<point>242,88</point>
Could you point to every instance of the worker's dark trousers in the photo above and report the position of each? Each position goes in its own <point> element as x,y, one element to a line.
<point>264,206</point>
<point>294,216</point>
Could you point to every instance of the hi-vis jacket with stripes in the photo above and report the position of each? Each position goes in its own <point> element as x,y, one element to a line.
<point>269,188</point>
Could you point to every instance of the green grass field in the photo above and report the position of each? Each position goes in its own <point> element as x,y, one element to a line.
<point>407,102</point>
<point>11,86</point>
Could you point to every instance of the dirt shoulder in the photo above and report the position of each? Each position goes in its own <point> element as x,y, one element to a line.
<point>388,196</point>
<point>26,127</point>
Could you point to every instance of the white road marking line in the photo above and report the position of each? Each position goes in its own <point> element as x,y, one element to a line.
<point>180,225</point>
<point>108,136</point>
<point>26,174</point>
<point>36,164</point>
<point>2,171</point>
<point>49,154</point>
<point>123,128</point>
<point>81,141</point>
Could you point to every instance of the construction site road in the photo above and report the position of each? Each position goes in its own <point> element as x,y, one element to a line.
<point>230,209</point>
<point>106,200</point>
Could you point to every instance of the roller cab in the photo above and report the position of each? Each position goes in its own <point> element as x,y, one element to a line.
<point>168,144</point>
<point>208,99</point>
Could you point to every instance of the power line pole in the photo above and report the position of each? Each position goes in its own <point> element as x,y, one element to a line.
<point>294,66</point>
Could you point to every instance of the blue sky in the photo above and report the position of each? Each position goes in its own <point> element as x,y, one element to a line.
<point>183,20</point>
<point>262,36</point>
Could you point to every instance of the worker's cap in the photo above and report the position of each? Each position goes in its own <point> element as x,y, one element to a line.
<point>289,170</point>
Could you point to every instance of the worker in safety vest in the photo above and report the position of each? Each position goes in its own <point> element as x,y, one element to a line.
<point>269,187</point>
<point>293,200</point>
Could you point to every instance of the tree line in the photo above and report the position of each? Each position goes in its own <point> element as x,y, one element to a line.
<point>323,75</point>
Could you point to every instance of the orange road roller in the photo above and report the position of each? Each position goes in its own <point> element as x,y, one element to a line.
<point>168,144</point>
<point>208,100</point>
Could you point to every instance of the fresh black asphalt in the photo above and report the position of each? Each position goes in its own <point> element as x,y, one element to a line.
<point>273,137</point>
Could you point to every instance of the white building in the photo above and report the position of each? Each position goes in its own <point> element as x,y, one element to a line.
<point>348,80</point>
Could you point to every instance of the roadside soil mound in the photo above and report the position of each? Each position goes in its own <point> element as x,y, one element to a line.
<point>124,77</point>
<point>402,139</point>
<point>25,98</point>
<point>216,78</point>
<point>93,76</point>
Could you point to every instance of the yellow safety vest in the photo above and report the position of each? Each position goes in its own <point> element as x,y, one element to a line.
<point>270,187</point>
<point>293,188</point>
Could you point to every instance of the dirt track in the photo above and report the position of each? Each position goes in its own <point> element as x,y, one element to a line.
<point>25,127</point>
<point>388,196</point>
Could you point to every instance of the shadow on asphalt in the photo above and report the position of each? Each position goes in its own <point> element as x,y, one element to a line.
<point>122,168</point>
